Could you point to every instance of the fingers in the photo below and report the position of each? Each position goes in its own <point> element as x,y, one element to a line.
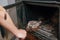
<point>24,33</point>
<point>21,34</point>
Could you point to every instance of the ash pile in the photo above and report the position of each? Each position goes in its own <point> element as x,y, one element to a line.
<point>41,30</point>
<point>45,29</point>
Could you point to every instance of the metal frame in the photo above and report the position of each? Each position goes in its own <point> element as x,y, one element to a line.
<point>33,2</point>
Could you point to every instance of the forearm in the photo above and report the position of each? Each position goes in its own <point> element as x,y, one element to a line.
<point>13,29</point>
<point>7,23</point>
<point>9,26</point>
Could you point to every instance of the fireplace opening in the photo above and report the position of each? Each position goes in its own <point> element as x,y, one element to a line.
<point>34,12</point>
<point>48,15</point>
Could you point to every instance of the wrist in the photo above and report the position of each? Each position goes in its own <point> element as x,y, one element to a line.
<point>15,32</point>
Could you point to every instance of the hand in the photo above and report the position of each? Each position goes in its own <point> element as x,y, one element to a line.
<point>9,25</point>
<point>21,34</point>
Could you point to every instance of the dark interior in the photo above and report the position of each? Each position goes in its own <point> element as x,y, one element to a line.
<point>33,12</point>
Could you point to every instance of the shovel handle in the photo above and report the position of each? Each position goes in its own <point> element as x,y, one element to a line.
<point>21,39</point>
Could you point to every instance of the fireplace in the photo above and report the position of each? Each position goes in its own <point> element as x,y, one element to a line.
<point>46,12</point>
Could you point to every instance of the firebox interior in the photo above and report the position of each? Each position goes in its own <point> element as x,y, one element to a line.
<point>34,12</point>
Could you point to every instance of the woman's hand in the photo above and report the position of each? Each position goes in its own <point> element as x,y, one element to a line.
<point>7,23</point>
<point>22,34</point>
